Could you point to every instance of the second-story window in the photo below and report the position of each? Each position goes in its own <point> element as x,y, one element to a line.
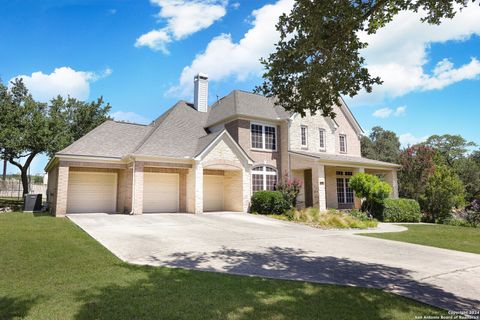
<point>263,137</point>
<point>304,136</point>
<point>343,143</point>
<point>321,138</point>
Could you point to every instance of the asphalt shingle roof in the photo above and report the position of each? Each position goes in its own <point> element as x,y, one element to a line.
<point>110,139</point>
<point>245,104</point>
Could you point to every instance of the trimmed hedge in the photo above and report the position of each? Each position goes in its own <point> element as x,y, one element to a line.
<point>269,202</point>
<point>400,210</point>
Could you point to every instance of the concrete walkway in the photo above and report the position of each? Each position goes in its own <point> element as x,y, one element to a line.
<point>246,244</point>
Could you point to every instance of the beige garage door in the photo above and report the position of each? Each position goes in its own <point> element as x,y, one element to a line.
<point>90,192</point>
<point>160,192</point>
<point>213,193</point>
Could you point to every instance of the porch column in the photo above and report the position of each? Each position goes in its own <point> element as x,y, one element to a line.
<point>319,191</point>
<point>198,185</point>
<point>247,188</point>
<point>391,179</point>
<point>137,190</point>
<point>62,191</point>
<point>358,201</point>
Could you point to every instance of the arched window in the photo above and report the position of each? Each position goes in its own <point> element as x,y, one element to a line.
<point>263,178</point>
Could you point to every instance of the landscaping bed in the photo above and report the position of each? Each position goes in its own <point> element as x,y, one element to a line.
<point>51,269</point>
<point>332,219</point>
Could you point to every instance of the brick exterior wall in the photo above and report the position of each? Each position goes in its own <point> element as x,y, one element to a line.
<point>239,129</point>
<point>52,189</point>
<point>313,124</point>
<point>62,191</point>
<point>138,188</point>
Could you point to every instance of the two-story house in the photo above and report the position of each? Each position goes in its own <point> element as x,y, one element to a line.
<point>196,158</point>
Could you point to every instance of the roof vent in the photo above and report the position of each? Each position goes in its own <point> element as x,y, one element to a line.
<point>201,92</point>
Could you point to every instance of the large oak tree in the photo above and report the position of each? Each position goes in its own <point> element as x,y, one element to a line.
<point>318,58</point>
<point>29,128</point>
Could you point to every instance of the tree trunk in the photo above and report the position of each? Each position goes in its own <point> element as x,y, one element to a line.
<point>24,170</point>
<point>24,175</point>
<point>4,175</point>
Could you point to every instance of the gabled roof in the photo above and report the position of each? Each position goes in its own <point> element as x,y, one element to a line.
<point>242,103</point>
<point>209,140</point>
<point>338,158</point>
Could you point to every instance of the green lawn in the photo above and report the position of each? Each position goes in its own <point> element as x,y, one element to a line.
<point>50,269</point>
<point>438,235</point>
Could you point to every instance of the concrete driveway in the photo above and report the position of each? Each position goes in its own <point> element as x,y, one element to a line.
<point>245,244</point>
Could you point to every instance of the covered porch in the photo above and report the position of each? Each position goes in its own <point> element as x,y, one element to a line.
<point>325,181</point>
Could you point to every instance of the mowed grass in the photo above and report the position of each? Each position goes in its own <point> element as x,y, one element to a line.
<point>50,269</point>
<point>439,235</point>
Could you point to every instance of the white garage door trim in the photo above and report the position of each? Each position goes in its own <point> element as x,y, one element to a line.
<point>213,197</point>
<point>160,192</point>
<point>92,192</point>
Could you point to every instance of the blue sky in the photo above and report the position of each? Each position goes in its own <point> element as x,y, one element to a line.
<point>141,56</point>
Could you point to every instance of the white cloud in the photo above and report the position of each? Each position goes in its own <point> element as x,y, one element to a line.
<point>400,111</point>
<point>383,113</point>
<point>183,18</point>
<point>398,54</point>
<point>224,58</point>
<point>387,112</point>
<point>408,139</point>
<point>62,81</point>
<point>129,116</point>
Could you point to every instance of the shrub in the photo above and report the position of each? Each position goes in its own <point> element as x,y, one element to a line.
<point>290,188</point>
<point>457,222</point>
<point>444,191</point>
<point>360,215</point>
<point>400,210</point>
<point>269,202</point>
<point>371,188</point>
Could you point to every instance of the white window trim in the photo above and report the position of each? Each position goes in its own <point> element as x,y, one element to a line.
<point>344,142</point>
<point>323,132</point>
<point>305,146</point>
<point>264,173</point>
<point>263,125</point>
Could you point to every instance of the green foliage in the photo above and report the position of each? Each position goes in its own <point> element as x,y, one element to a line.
<point>417,166</point>
<point>29,128</point>
<point>290,188</point>
<point>468,170</point>
<point>400,210</point>
<point>318,56</point>
<point>382,145</point>
<point>371,188</point>
<point>449,147</point>
<point>456,221</point>
<point>443,192</point>
<point>360,215</point>
<point>269,202</point>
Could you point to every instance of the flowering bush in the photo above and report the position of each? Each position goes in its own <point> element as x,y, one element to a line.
<point>290,188</point>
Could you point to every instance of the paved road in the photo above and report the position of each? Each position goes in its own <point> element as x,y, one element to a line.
<point>245,244</point>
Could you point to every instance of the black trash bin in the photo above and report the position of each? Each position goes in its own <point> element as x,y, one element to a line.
<point>32,202</point>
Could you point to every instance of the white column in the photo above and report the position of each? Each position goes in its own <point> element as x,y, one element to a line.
<point>322,197</point>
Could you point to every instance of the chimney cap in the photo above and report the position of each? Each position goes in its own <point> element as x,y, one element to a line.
<point>201,75</point>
